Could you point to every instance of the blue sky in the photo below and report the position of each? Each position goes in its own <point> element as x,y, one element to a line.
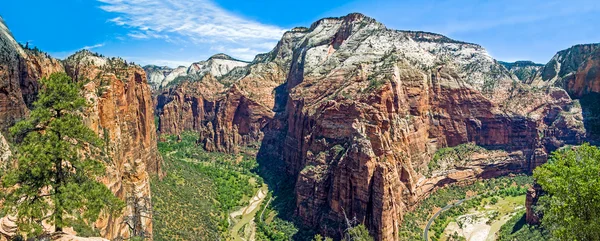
<point>179,32</point>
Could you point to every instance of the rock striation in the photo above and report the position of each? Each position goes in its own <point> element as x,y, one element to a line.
<point>356,111</point>
<point>121,111</point>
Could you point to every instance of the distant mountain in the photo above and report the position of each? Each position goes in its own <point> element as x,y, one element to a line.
<point>574,69</point>
<point>217,66</point>
<point>524,70</point>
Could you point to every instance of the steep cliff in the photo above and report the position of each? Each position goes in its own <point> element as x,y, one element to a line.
<point>368,107</point>
<point>356,111</point>
<point>19,70</point>
<point>577,70</point>
<point>121,112</point>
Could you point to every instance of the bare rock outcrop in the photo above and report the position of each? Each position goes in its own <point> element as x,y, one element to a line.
<point>356,112</point>
<point>217,65</point>
<point>368,107</point>
<point>121,111</point>
<point>19,71</point>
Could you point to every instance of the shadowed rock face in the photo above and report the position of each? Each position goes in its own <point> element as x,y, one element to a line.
<point>121,111</point>
<point>577,70</point>
<point>356,111</point>
<point>19,71</point>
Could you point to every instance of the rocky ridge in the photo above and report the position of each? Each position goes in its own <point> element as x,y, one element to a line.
<point>523,70</point>
<point>121,110</point>
<point>217,66</point>
<point>356,111</point>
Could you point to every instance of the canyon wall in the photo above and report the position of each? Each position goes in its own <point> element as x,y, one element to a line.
<point>577,70</point>
<point>356,111</point>
<point>121,111</point>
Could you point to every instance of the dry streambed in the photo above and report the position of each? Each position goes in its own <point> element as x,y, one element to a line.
<point>482,223</point>
<point>243,227</point>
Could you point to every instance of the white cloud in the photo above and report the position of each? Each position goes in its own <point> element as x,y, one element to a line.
<point>93,46</point>
<point>197,22</point>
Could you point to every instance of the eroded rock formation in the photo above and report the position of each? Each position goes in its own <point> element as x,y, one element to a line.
<point>356,111</point>
<point>121,111</point>
<point>577,70</point>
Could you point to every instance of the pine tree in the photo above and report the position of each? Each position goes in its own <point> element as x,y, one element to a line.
<point>55,179</point>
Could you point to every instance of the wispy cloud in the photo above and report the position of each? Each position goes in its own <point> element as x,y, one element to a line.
<point>93,46</point>
<point>198,22</point>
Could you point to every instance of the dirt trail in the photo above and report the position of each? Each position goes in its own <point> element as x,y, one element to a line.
<point>247,214</point>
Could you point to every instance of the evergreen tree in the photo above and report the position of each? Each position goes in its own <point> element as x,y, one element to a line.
<point>358,233</point>
<point>571,206</point>
<point>55,177</point>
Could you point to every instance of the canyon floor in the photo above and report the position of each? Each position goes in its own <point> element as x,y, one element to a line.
<point>483,223</point>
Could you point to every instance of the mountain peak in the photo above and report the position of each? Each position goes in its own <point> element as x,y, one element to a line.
<point>225,57</point>
<point>351,18</point>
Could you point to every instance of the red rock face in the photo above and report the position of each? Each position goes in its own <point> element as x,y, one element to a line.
<point>356,112</point>
<point>359,158</point>
<point>121,111</point>
<point>19,71</point>
<point>225,121</point>
<point>577,70</point>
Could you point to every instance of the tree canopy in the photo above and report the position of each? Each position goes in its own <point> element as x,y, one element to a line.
<point>571,205</point>
<point>55,179</point>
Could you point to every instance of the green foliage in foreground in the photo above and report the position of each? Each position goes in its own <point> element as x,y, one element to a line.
<point>458,153</point>
<point>516,229</point>
<point>413,221</point>
<point>275,230</point>
<point>356,233</point>
<point>193,200</point>
<point>54,180</point>
<point>571,206</point>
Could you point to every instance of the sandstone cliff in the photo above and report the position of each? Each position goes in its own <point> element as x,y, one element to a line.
<point>121,112</point>
<point>19,70</point>
<point>356,111</point>
<point>577,70</point>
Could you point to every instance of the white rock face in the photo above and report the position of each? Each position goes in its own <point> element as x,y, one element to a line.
<point>179,71</point>
<point>4,150</point>
<point>333,43</point>
<point>217,66</point>
<point>8,39</point>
